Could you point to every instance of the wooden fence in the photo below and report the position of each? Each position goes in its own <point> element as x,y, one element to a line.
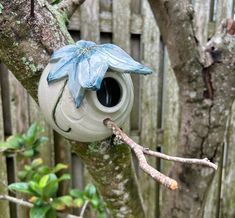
<point>154,119</point>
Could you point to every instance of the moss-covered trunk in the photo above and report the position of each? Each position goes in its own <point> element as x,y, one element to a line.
<point>26,44</point>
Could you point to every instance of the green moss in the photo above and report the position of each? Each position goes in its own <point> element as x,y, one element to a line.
<point>93,147</point>
<point>62,20</point>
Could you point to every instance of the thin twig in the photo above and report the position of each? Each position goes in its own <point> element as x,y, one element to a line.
<point>204,161</point>
<point>84,208</point>
<point>24,203</point>
<point>140,151</point>
<point>20,202</point>
<point>69,6</point>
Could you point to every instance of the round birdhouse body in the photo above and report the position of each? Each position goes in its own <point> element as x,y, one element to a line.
<point>113,100</point>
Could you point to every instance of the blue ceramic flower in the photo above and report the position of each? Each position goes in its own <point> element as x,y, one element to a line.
<point>85,64</point>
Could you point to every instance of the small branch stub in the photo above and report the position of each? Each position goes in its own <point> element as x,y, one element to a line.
<point>140,151</point>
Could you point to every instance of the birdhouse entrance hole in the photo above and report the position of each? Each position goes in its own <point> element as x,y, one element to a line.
<point>109,94</point>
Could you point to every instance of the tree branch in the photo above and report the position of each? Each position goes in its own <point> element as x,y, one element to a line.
<point>70,6</point>
<point>84,208</point>
<point>24,203</point>
<point>204,162</point>
<point>140,151</point>
<point>25,48</point>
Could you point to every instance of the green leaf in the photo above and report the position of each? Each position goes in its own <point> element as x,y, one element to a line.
<point>44,170</point>
<point>35,176</point>
<point>28,153</point>
<point>51,213</point>
<point>78,202</point>
<point>36,201</point>
<point>94,202</point>
<point>44,181</point>
<point>37,162</point>
<point>90,190</point>
<point>65,176</point>
<point>57,204</point>
<point>59,167</point>
<point>22,187</point>
<point>27,167</point>
<point>39,141</point>
<point>67,200</point>
<point>52,186</point>
<point>76,193</point>
<point>32,133</point>
<point>22,174</point>
<point>39,212</point>
<point>34,188</point>
<point>12,143</point>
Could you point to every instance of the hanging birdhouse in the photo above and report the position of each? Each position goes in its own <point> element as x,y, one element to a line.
<point>85,83</point>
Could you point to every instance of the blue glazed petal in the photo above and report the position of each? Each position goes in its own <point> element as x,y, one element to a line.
<point>63,52</point>
<point>120,61</point>
<point>75,88</point>
<point>61,69</point>
<point>86,63</point>
<point>91,70</point>
<point>84,44</point>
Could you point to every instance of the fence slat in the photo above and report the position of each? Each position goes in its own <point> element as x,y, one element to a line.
<point>121,32</point>
<point>4,206</point>
<point>150,55</point>
<point>19,123</point>
<point>47,149</point>
<point>228,179</point>
<point>121,24</point>
<point>90,21</point>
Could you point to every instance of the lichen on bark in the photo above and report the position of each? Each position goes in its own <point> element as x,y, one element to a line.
<point>26,44</point>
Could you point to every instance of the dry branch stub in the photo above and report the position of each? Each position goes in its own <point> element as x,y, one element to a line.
<point>140,151</point>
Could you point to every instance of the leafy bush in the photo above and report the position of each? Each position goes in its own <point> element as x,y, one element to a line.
<point>41,184</point>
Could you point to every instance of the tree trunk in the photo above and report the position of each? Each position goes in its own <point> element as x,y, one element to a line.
<point>26,44</point>
<point>206,93</point>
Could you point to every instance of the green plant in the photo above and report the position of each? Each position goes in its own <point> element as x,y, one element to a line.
<point>40,183</point>
<point>26,144</point>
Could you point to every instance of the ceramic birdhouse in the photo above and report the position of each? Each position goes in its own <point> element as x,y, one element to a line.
<point>85,83</point>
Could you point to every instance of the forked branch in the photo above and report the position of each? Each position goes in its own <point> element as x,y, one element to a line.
<point>140,151</point>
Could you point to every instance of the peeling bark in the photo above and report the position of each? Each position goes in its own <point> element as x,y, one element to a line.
<point>25,47</point>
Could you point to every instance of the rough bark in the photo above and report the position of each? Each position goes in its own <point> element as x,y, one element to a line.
<point>206,94</point>
<point>25,47</point>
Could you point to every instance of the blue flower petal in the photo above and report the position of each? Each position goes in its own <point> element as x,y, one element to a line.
<point>91,70</point>
<point>86,63</point>
<point>63,52</point>
<point>75,88</point>
<point>61,68</point>
<point>120,61</point>
<point>84,44</point>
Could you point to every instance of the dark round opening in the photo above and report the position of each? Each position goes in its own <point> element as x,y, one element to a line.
<point>109,94</point>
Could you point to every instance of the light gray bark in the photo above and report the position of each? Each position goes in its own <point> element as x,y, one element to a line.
<point>206,95</point>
